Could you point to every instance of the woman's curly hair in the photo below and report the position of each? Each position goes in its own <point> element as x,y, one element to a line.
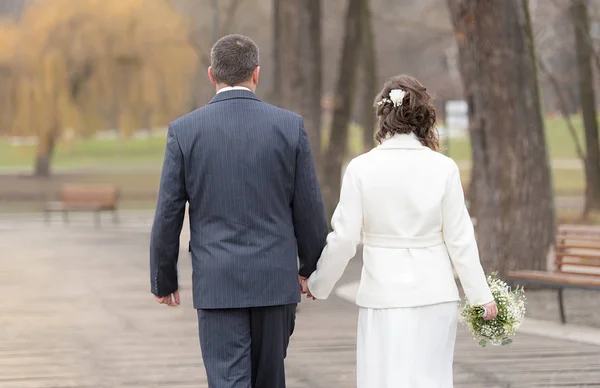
<point>415,115</point>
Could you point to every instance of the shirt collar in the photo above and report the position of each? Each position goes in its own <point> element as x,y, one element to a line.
<point>404,141</point>
<point>233,95</point>
<point>229,88</point>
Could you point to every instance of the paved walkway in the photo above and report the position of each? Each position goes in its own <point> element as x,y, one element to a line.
<point>76,311</point>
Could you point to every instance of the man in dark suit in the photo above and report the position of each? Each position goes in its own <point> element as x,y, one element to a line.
<point>255,208</point>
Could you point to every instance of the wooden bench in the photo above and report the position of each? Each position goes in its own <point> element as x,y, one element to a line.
<point>95,198</point>
<point>576,263</point>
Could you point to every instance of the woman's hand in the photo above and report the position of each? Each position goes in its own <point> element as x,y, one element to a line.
<point>491,311</point>
<point>304,288</point>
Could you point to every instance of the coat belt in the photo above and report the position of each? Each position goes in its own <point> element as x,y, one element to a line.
<point>402,242</point>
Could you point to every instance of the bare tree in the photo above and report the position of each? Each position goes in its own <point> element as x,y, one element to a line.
<point>345,90</point>
<point>297,72</point>
<point>562,107</point>
<point>12,8</point>
<point>368,87</point>
<point>277,47</point>
<point>288,61</point>
<point>216,20</point>
<point>312,78</point>
<point>222,18</point>
<point>584,52</point>
<point>515,214</point>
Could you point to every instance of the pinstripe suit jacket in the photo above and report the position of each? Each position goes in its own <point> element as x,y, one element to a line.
<point>255,205</point>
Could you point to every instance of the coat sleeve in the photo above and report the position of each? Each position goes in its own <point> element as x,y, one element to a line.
<point>346,223</point>
<point>459,237</point>
<point>308,210</point>
<point>168,220</point>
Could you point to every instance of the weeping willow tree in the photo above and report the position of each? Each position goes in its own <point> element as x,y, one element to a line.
<point>8,39</point>
<point>94,64</point>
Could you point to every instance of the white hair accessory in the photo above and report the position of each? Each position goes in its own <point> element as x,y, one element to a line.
<point>396,95</point>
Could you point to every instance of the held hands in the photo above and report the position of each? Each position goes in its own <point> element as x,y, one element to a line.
<point>170,300</point>
<point>304,287</point>
<point>491,311</point>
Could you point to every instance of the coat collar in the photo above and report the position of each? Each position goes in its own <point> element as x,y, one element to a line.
<point>402,141</point>
<point>233,94</point>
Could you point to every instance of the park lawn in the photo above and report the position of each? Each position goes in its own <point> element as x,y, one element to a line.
<point>566,182</point>
<point>93,153</point>
<point>560,143</point>
<point>149,151</point>
<point>133,164</point>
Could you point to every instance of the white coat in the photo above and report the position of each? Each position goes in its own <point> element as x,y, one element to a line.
<point>406,203</point>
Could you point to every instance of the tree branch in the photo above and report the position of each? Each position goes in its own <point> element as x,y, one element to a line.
<point>562,104</point>
<point>586,32</point>
<point>234,5</point>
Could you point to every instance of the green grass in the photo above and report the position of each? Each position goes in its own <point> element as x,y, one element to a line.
<point>90,153</point>
<point>142,152</point>
<point>148,152</point>
<point>139,187</point>
<point>560,142</point>
<point>566,182</point>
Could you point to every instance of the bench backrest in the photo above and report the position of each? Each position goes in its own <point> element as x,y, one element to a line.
<point>578,249</point>
<point>105,196</point>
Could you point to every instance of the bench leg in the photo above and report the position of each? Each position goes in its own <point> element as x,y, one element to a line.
<point>47,217</point>
<point>115,217</point>
<point>98,220</point>
<point>561,306</point>
<point>65,216</point>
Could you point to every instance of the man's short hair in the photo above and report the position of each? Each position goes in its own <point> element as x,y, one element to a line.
<point>233,59</point>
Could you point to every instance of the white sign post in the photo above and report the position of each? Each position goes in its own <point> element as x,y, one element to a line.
<point>457,118</point>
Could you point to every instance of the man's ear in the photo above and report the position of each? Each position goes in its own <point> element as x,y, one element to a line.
<point>255,75</point>
<point>210,76</point>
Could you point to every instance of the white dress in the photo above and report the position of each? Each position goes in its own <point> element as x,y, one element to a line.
<point>406,347</point>
<point>406,203</point>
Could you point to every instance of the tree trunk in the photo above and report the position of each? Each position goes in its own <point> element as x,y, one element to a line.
<point>345,90</point>
<point>465,68</point>
<point>288,54</point>
<point>311,73</point>
<point>515,213</point>
<point>583,51</point>
<point>43,160</point>
<point>369,80</point>
<point>298,69</point>
<point>215,28</point>
<point>277,79</point>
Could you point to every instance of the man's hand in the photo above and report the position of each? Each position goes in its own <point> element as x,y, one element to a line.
<point>169,300</point>
<point>301,279</point>
<point>304,287</point>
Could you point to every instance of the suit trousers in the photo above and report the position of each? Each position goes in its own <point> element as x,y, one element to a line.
<point>246,347</point>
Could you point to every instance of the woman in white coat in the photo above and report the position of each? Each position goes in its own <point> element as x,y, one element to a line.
<point>405,201</point>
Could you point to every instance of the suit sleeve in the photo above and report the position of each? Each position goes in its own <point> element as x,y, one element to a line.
<point>168,220</point>
<point>459,237</point>
<point>347,224</point>
<point>308,211</point>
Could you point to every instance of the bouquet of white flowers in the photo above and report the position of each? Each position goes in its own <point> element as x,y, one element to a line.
<point>511,312</point>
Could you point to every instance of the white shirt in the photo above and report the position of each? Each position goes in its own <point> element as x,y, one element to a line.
<point>228,88</point>
<point>407,204</point>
